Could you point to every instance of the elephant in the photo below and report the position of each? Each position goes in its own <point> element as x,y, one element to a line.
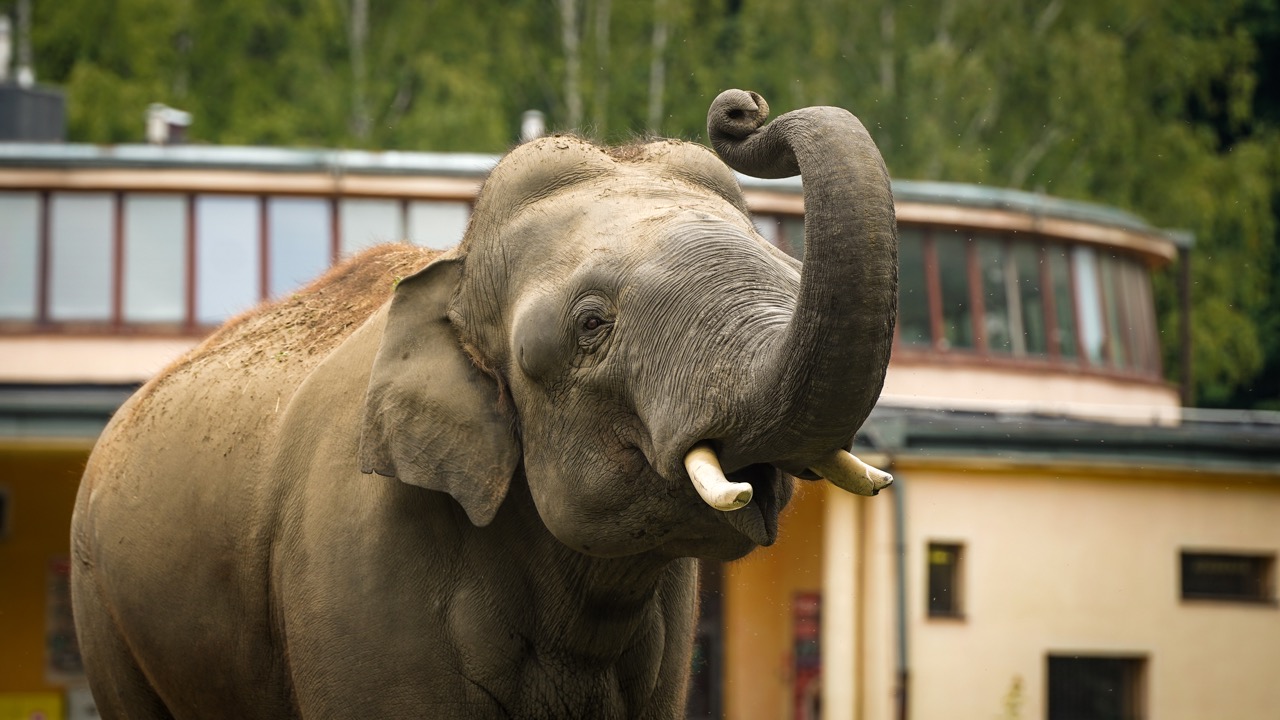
<point>476,484</point>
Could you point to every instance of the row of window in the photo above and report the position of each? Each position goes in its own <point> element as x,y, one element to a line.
<point>987,293</point>
<point>1000,296</point>
<point>190,260</point>
<point>187,259</point>
<point>1230,577</point>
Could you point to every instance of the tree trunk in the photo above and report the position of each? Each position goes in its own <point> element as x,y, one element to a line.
<point>658,67</point>
<point>570,36</point>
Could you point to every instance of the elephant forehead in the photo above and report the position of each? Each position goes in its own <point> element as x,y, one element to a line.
<point>548,166</point>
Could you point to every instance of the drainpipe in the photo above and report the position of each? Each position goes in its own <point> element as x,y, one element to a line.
<point>898,491</point>
<point>877,441</point>
<point>1184,322</point>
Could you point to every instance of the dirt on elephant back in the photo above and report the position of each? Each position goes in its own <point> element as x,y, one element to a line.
<point>297,332</point>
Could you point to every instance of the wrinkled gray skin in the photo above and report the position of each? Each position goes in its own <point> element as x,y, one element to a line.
<point>533,392</point>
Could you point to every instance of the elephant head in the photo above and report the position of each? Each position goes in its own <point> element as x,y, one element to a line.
<point>614,331</point>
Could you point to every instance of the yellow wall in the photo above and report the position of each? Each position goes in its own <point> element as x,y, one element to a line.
<point>758,592</point>
<point>41,484</point>
<point>1063,560</point>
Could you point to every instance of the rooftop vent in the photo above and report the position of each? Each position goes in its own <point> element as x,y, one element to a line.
<point>167,126</point>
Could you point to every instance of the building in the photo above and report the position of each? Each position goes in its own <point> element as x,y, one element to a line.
<point>1064,540</point>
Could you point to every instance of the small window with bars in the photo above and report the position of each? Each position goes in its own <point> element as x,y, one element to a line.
<point>945,580</point>
<point>1235,577</point>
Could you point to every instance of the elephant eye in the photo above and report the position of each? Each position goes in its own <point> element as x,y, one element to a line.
<point>592,330</point>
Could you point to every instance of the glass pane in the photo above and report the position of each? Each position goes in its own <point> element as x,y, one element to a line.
<point>944,579</point>
<point>301,237</point>
<point>792,240</point>
<point>767,226</point>
<point>913,296</point>
<point>1117,331</point>
<point>227,256</point>
<point>1092,330</point>
<point>155,258</point>
<point>19,254</point>
<point>1029,301</point>
<point>365,223</point>
<point>80,256</point>
<point>438,225</point>
<point>1145,308</point>
<point>953,272</point>
<point>995,295</point>
<point>1063,305</point>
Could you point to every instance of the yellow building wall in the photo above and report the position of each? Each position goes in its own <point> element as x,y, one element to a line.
<point>41,484</point>
<point>758,594</point>
<point>1086,561</point>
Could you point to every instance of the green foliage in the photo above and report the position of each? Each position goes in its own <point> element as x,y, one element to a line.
<point>1168,109</point>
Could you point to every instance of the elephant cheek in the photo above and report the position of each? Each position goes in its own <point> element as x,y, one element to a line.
<point>601,519</point>
<point>539,342</point>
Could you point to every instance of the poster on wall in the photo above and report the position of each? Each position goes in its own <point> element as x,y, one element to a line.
<point>62,665</point>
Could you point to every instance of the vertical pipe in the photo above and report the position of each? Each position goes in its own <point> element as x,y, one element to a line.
<point>898,492</point>
<point>1184,323</point>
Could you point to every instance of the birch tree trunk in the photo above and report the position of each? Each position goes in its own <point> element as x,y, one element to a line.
<point>358,36</point>
<point>600,100</point>
<point>658,67</point>
<point>571,38</point>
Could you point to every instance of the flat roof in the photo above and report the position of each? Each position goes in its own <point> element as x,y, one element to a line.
<point>1214,441</point>
<point>1220,441</point>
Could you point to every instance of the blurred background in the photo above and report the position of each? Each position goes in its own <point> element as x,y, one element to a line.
<point>1081,409</point>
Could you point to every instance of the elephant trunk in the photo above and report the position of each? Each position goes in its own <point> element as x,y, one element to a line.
<point>825,371</point>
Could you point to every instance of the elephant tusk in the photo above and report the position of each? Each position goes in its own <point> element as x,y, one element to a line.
<point>709,480</point>
<point>851,474</point>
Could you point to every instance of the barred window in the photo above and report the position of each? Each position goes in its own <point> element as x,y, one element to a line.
<point>1228,576</point>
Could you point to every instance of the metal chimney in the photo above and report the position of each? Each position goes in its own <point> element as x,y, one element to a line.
<point>26,70</point>
<point>6,48</point>
<point>533,125</point>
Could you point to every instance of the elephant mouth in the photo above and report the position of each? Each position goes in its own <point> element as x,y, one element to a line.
<point>771,490</point>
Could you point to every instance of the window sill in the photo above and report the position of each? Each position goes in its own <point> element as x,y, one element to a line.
<point>1219,601</point>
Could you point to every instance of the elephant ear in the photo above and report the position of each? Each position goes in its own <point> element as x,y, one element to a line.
<point>432,418</point>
